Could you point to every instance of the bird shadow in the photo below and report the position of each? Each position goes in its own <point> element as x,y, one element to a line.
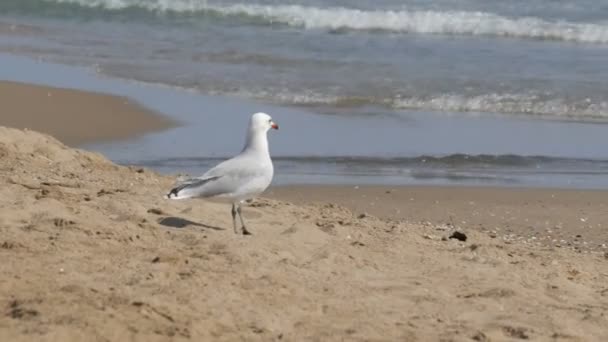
<point>178,222</point>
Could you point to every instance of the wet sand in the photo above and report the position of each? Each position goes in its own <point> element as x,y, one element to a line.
<point>76,117</point>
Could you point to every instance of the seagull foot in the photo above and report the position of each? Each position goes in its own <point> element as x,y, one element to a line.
<point>246,232</point>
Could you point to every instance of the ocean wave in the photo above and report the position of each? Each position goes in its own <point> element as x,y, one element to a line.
<point>508,104</point>
<point>398,21</point>
<point>516,104</point>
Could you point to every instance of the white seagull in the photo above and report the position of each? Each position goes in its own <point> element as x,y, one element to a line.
<point>240,178</point>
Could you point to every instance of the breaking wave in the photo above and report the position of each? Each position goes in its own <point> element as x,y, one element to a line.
<point>341,18</point>
<point>516,104</point>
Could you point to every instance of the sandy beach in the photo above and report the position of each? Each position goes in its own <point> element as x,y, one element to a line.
<point>91,251</point>
<point>561,218</point>
<point>75,117</point>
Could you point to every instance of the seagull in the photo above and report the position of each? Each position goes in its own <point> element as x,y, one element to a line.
<point>238,179</point>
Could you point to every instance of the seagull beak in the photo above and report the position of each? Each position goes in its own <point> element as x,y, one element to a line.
<point>274,125</point>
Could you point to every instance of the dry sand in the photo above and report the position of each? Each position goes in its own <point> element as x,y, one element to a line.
<point>75,117</point>
<point>92,252</point>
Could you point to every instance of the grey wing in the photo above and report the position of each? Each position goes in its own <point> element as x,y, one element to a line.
<point>189,187</point>
<point>224,179</point>
<point>233,175</point>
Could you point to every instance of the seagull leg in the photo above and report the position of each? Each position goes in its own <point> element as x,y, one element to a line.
<point>245,231</point>
<point>234,212</point>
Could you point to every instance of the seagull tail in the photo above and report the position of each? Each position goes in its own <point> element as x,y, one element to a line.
<point>177,193</point>
<point>183,191</point>
<point>189,188</point>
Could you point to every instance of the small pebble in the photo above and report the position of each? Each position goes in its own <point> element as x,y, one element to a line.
<point>458,236</point>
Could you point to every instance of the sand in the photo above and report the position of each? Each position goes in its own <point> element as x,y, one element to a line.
<point>75,117</point>
<point>92,252</point>
<point>562,218</point>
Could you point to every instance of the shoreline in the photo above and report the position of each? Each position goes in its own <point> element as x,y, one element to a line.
<point>200,116</point>
<point>76,117</point>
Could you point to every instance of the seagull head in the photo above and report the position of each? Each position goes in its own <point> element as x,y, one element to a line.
<point>262,122</point>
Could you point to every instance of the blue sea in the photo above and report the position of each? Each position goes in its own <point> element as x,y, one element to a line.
<point>481,92</point>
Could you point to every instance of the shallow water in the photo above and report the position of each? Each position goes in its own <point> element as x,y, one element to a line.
<point>421,148</point>
<point>527,58</point>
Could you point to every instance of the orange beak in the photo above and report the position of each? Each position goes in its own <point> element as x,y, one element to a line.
<point>274,125</point>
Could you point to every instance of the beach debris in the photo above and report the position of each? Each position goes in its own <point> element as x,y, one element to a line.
<point>8,245</point>
<point>108,192</point>
<point>60,222</point>
<point>17,311</point>
<point>442,227</point>
<point>458,236</point>
<point>490,293</point>
<point>519,333</point>
<point>155,211</point>
<point>261,203</point>
<point>481,337</point>
<point>155,260</point>
<point>362,215</point>
<point>103,192</point>
<point>344,223</point>
<point>325,224</point>
<point>61,184</point>
<point>136,169</point>
<point>43,193</point>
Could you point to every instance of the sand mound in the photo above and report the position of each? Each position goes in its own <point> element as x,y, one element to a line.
<point>91,251</point>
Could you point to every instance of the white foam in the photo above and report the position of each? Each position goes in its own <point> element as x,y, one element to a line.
<point>516,104</point>
<point>402,21</point>
<point>508,104</point>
